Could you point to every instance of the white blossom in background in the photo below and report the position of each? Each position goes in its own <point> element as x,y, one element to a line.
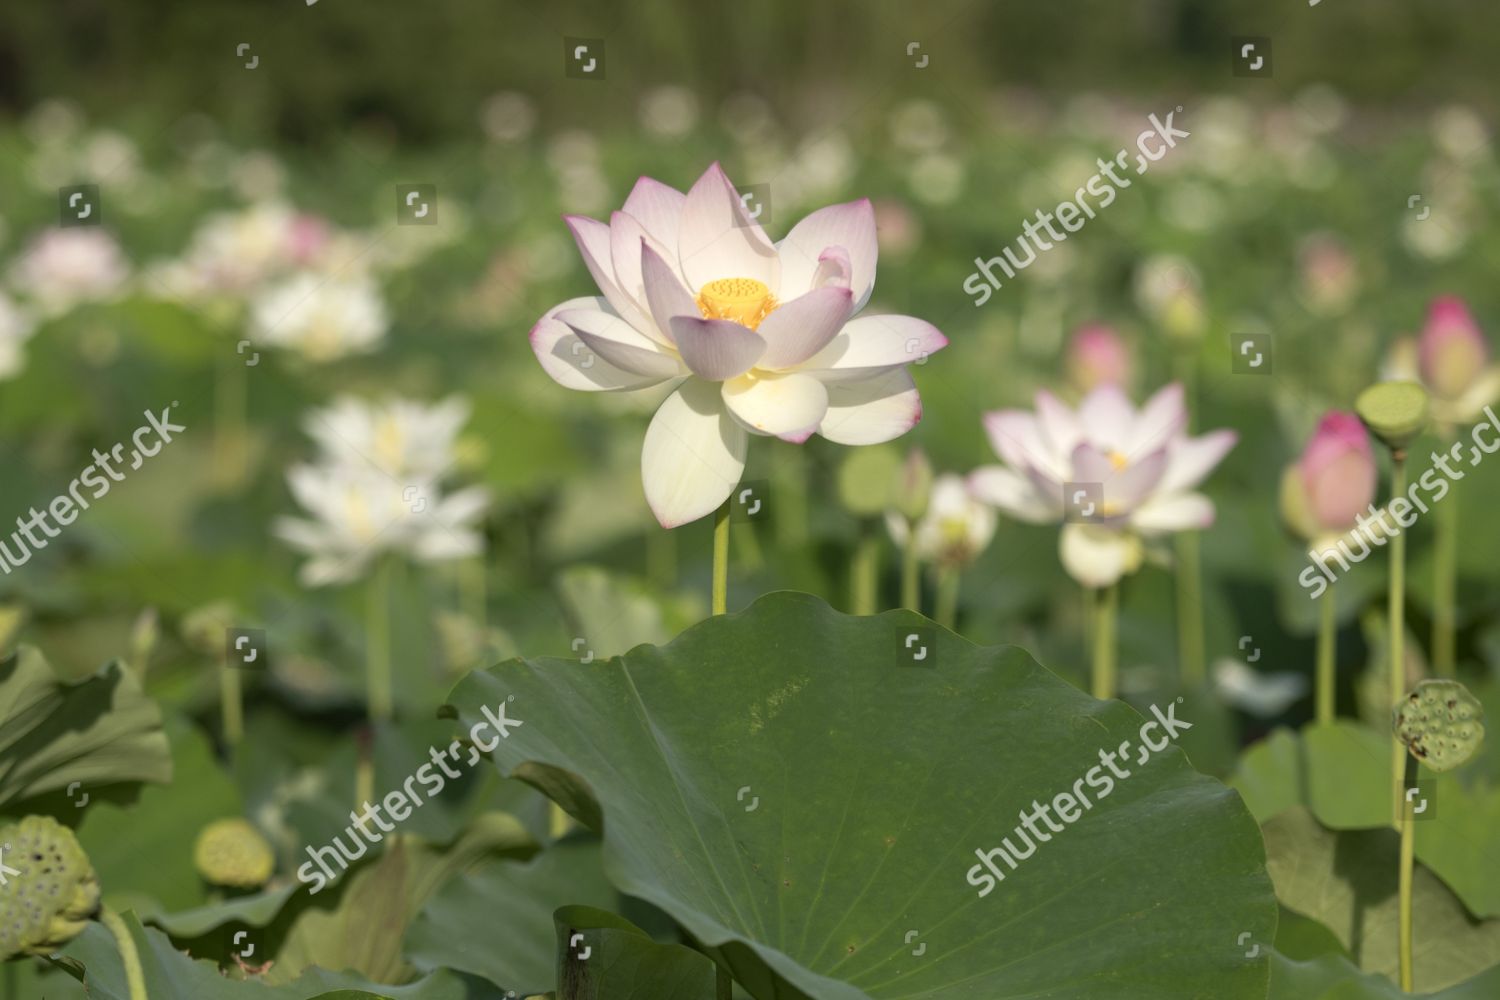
<point>957,527</point>
<point>64,268</point>
<point>320,318</point>
<point>376,487</point>
<point>234,253</point>
<point>15,329</point>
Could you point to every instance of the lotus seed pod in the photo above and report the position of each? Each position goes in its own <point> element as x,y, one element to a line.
<point>1441,723</point>
<point>1395,412</point>
<point>49,902</point>
<point>231,852</point>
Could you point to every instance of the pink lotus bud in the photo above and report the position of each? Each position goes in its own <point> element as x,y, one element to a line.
<point>1097,356</point>
<point>1338,471</point>
<point>1452,352</point>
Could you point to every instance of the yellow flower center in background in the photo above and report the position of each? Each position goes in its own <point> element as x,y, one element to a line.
<point>743,300</point>
<point>1119,460</point>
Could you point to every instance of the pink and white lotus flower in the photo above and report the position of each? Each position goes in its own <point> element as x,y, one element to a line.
<point>764,336</point>
<point>1138,469</point>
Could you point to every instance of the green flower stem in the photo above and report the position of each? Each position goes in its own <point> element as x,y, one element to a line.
<point>1189,608</point>
<point>231,704</point>
<point>1396,647</point>
<point>864,572</point>
<point>473,594</point>
<point>1106,615</point>
<point>378,643</point>
<point>911,583</point>
<point>229,419</point>
<point>1408,843</point>
<point>721,560</point>
<point>947,596</point>
<point>1444,586</point>
<point>1327,640</point>
<point>129,957</point>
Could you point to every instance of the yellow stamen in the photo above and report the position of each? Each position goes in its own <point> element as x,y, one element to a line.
<point>743,300</point>
<point>1119,460</point>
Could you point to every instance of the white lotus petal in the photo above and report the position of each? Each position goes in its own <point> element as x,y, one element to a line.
<point>790,406</point>
<point>658,207</point>
<point>850,226</point>
<point>575,365</point>
<point>802,327</point>
<point>868,345</point>
<point>716,349</point>
<point>718,239</point>
<point>621,344</point>
<point>1173,512</point>
<point>693,455</point>
<point>593,239</point>
<point>1107,418</point>
<point>873,410</point>
<point>1162,419</point>
<point>1096,556</point>
<point>1014,494</point>
<point>666,295</point>
<point>1192,459</point>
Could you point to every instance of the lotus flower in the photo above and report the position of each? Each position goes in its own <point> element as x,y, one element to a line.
<point>1138,468</point>
<point>1097,356</point>
<point>323,319</point>
<point>16,328</point>
<point>63,268</point>
<point>1453,360</point>
<point>1334,481</point>
<point>764,337</point>
<point>956,528</point>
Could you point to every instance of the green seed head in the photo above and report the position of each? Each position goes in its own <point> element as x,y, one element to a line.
<point>231,852</point>
<point>49,902</point>
<point>1441,723</point>
<point>1395,412</point>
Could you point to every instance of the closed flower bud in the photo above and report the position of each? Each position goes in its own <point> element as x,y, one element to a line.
<point>1097,356</point>
<point>1451,351</point>
<point>913,486</point>
<point>1337,472</point>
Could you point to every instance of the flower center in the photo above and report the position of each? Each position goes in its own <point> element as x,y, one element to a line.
<point>743,300</point>
<point>1119,460</point>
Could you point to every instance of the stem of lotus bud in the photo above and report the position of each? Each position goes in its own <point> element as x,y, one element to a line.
<point>229,420</point>
<point>1396,647</point>
<point>947,596</point>
<point>1408,843</point>
<point>911,583</point>
<point>1327,639</point>
<point>231,706</point>
<point>720,592</point>
<point>1106,615</point>
<point>130,958</point>
<point>473,594</point>
<point>864,572</point>
<point>1189,608</point>
<point>1444,578</point>
<point>378,643</point>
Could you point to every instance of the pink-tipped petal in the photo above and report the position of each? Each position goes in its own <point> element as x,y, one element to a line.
<point>693,455</point>
<point>594,239</point>
<point>1014,494</point>
<point>617,342</point>
<point>1192,459</point>
<point>574,365</point>
<point>716,349</point>
<point>804,326</point>
<point>658,207</point>
<point>869,345</point>
<point>627,238</point>
<point>850,226</point>
<point>718,239</point>
<point>666,295</point>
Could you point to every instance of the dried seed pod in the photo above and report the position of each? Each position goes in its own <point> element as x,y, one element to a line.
<point>1441,723</point>
<point>49,902</point>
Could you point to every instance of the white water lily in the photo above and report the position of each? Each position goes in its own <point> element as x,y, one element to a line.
<point>765,336</point>
<point>376,487</point>
<point>956,528</point>
<point>63,268</point>
<point>1132,473</point>
<point>1265,695</point>
<point>321,318</point>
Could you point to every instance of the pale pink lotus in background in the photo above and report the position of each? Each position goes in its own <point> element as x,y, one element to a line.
<point>764,336</point>
<point>63,268</point>
<point>1334,480</point>
<point>1098,356</point>
<point>1138,470</point>
<point>1451,358</point>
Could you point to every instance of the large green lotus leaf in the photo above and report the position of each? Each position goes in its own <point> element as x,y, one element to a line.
<point>1334,977</point>
<point>1347,881</point>
<point>1341,773</point>
<point>603,956</point>
<point>514,902</point>
<point>171,975</point>
<point>359,923</point>
<point>99,731</point>
<point>795,793</point>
